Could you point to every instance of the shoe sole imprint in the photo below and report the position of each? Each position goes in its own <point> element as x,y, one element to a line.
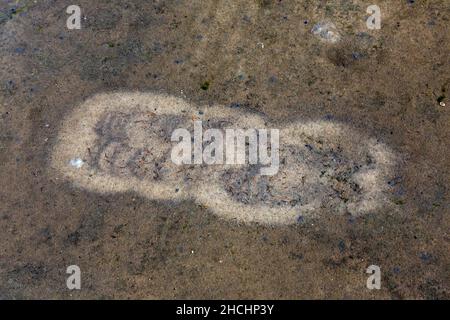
<point>124,142</point>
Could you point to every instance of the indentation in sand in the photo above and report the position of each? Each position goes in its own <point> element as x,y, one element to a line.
<point>123,142</point>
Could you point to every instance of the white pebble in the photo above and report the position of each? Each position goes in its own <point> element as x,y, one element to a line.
<point>326,31</point>
<point>76,162</point>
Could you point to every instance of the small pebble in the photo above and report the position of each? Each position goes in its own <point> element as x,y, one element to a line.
<point>425,256</point>
<point>76,162</point>
<point>326,31</point>
<point>19,50</point>
<point>356,55</point>
<point>341,246</point>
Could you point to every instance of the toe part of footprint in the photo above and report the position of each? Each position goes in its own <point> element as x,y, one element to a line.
<point>324,167</point>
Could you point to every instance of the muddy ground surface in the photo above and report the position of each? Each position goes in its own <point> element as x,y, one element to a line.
<point>260,55</point>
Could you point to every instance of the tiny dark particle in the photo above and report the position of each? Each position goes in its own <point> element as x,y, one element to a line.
<point>19,50</point>
<point>356,55</point>
<point>425,256</point>
<point>395,181</point>
<point>246,18</point>
<point>341,246</point>
<point>205,85</point>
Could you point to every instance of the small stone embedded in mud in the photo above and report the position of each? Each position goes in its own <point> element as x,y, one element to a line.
<point>357,55</point>
<point>395,181</point>
<point>246,19</point>
<point>273,79</point>
<point>205,85</point>
<point>326,31</point>
<point>425,256</point>
<point>341,246</point>
<point>76,162</point>
<point>19,50</point>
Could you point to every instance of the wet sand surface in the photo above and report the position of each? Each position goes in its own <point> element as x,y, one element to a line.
<point>257,56</point>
